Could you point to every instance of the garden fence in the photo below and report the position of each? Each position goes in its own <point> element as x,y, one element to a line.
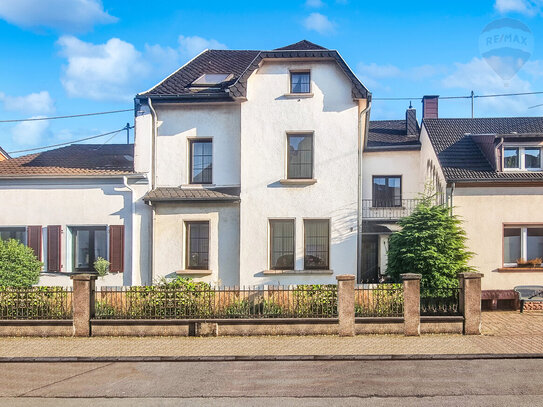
<point>379,300</point>
<point>43,303</point>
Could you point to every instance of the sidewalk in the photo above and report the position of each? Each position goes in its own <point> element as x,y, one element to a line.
<point>503,333</point>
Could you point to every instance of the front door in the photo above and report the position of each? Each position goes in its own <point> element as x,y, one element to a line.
<point>370,259</point>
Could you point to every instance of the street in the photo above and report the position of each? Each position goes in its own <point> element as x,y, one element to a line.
<point>315,383</point>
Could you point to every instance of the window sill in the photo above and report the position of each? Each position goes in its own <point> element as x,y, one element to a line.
<point>297,272</point>
<point>301,181</point>
<point>193,272</point>
<point>520,269</point>
<point>298,95</point>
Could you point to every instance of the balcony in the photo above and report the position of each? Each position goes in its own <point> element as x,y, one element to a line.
<point>381,211</point>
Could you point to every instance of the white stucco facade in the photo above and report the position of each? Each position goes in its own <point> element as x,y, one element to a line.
<point>72,202</point>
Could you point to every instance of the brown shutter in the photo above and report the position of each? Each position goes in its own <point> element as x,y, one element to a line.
<point>116,248</point>
<point>34,240</point>
<point>53,248</point>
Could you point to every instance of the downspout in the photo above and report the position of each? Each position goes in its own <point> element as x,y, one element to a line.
<point>361,142</point>
<point>132,234</point>
<point>453,185</point>
<point>153,184</point>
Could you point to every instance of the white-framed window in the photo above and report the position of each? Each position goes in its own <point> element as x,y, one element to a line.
<point>522,243</point>
<point>526,158</point>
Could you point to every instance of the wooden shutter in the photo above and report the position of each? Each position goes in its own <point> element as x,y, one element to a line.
<point>116,248</point>
<point>34,240</point>
<point>53,248</point>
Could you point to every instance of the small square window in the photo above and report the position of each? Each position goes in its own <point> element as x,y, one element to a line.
<point>532,158</point>
<point>387,191</point>
<point>511,157</point>
<point>300,82</point>
<point>88,243</point>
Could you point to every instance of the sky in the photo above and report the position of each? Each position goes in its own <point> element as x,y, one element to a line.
<point>64,57</point>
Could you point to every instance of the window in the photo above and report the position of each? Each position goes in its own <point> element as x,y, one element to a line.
<point>387,191</point>
<point>282,244</point>
<point>300,156</point>
<point>210,79</point>
<point>197,255</point>
<point>522,158</point>
<point>317,244</point>
<point>13,233</point>
<point>201,154</point>
<point>300,82</point>
<point>88,243</point>
<point>522,243</point>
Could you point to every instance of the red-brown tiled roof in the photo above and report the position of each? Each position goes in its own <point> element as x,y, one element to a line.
<point>73,160</point>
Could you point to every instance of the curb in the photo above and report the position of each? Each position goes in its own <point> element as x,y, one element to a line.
<point>270,358</point>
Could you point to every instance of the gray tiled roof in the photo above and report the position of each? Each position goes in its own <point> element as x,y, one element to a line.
<point>241,64</point>
<point>462,160</point>
<point>73,160</point>
<point>179,194</point>
<point>390,134</point>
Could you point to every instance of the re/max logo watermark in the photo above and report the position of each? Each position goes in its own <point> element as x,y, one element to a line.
<point>505,39</point>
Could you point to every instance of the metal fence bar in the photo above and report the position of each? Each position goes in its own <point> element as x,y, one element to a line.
<point>379,300</point>
<point>36,303</point>
<point>440,302</point>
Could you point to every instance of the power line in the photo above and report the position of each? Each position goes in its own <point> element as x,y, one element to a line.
<point>464,97</point>
<point>64,117</point>
<point>68,142</point>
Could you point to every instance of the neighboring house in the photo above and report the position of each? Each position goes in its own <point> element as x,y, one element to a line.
<point>494,176</point>
<point>3,155</point>
<point>253,159</point>
<point>74,204</point>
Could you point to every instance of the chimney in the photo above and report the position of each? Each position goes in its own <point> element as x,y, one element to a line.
<point>411,125</point>
<point>430,107</point>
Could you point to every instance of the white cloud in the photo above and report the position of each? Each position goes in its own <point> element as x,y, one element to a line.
<point>379,71</point>
<point>34,103</point>
<point>314,3</point>
<point>191,46</point>
<point>102,71</point>
<point>61,15</point>
<point>525,7</point>
<point>372,74</point>
<point>30,133</point>
<point>320,23</point>
<point>478,76</point>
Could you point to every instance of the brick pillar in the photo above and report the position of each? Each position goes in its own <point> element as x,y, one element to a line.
<point>345,304</point>
<point>83,303</point>
<point>411,304</point>
<point>470,302</point>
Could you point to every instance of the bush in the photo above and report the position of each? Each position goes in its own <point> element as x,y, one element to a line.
<point>246,309</point>
<point>101,266</point>
<point>384,301</point>
<point>432,243</point>
<point>34,303</point>
<point>314,300</point>
<point>19,267</point>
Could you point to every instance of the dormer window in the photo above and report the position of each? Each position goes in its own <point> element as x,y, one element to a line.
<point>208,80</point>
<point>522,158</point>
<point>300,82</point>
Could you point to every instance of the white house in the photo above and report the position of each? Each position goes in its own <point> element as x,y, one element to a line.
<point>254,160</point>
<point>74,204</point>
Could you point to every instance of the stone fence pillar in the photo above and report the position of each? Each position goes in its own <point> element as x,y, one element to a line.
<point>411,304</point>
<point>345,304</point>
<point>470,302</point>
<point>83,303</point>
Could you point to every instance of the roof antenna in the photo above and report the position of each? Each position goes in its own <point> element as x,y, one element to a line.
<point>410,105</point>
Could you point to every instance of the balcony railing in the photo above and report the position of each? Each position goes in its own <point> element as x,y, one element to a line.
<point>386,211</point>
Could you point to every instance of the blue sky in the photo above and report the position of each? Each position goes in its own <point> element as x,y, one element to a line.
<point>64,57</point>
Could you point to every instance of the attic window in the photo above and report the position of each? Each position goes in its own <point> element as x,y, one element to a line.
<point>212,79</point>
<point>522,158</point>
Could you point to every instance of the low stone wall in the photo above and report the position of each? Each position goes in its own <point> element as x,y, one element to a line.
<point>36,328</point>
<point>140,327</point>
<point>376,326</point>
<point>442,325</point>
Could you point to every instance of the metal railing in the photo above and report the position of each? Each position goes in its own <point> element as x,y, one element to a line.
<point>388,210</point>
<point>36,303</point>
<point>378,300</point>
<point>154,302</point>
<point>440,302</point>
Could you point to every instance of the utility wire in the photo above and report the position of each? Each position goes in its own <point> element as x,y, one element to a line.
<point>64,117</point>
<point>465,97</point>
<point>68,142</point>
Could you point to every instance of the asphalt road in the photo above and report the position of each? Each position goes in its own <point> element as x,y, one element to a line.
<point>315,383</point>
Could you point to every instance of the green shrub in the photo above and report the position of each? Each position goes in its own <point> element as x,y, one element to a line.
<point>384,301</point>
<point>101,266</point>
<point>19,267</point>
<point>246,309</point>
<point>314,300</point>
<point>432,243</point>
